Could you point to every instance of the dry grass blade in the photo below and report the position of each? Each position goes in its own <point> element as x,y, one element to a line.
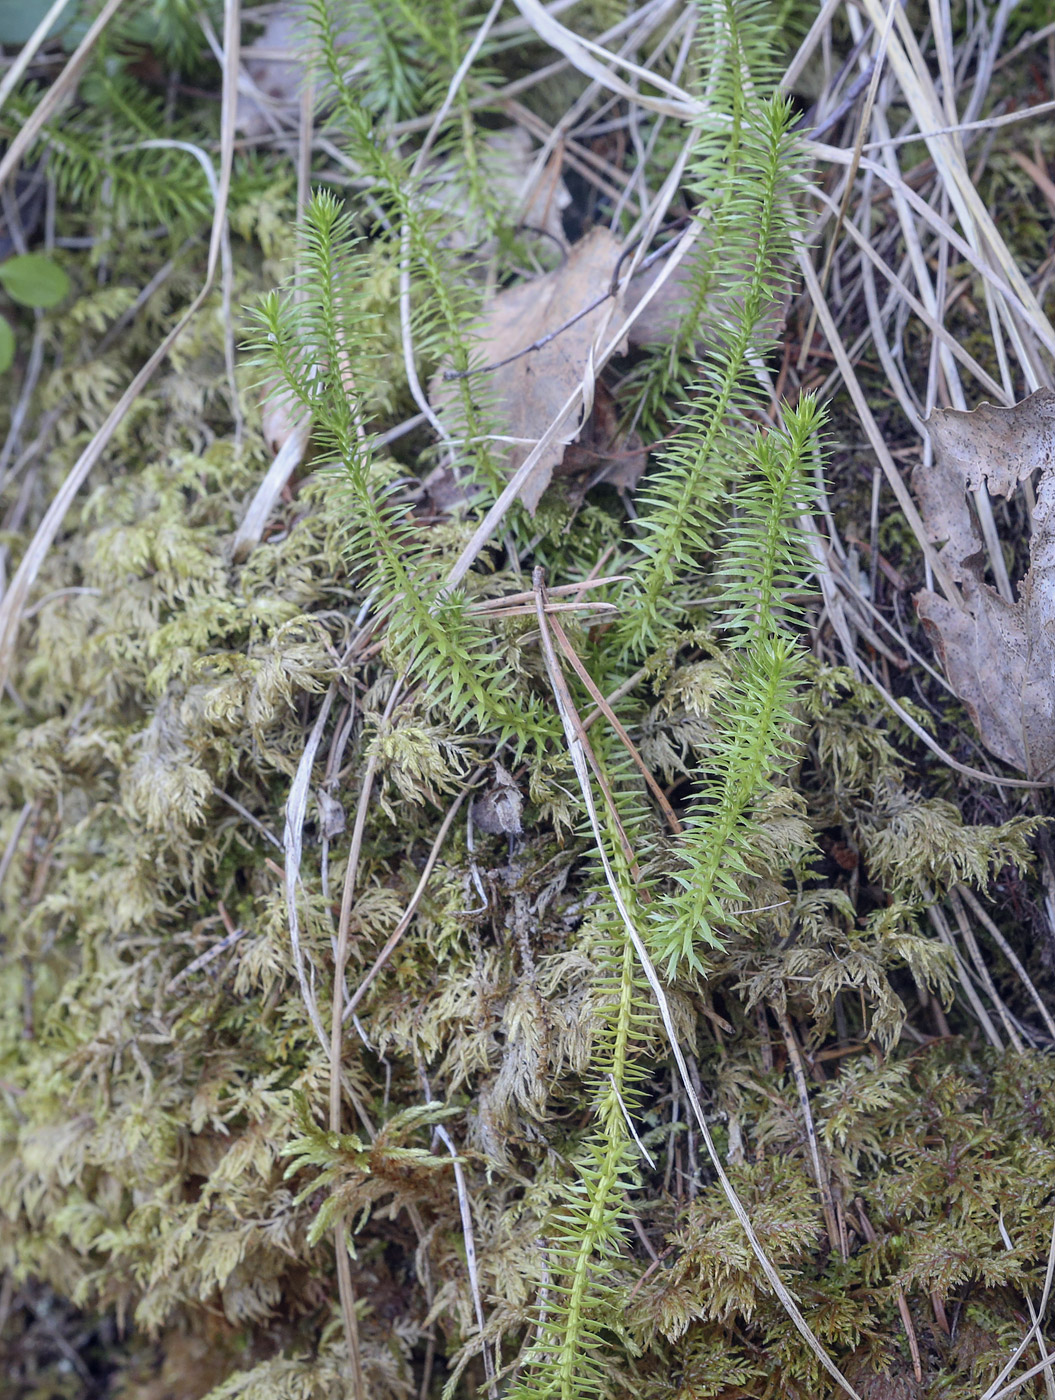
<point>924,313</point>
<point>469,1236</point>
<point>296,808</point>
<point>511,491</point>
<point>975,954</point>
<point>592,60</point>
<point>1009,953</point>
<point>875,437</point>
<point>993,1392</point>
<point>855,161</point>
<point>58,93</point>
<point>28,51</point>
<point>407,916</point>
<point>820,1171</point>
<point>340,962</point>
<point>602,704</point>
<point>903,715</point>
<point>939,225</point>
<point>908,63</point>
<point>1042,1346</point>
<point>937,918</point>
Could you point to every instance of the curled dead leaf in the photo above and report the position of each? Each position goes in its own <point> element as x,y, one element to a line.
<point>603,453</point>
<point>659,323</point>
<point>498,811</point>
<point>999,657</point>
<point>526,392</point>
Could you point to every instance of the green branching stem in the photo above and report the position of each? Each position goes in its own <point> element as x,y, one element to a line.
<point>697,474</point>
<point>762,562</point>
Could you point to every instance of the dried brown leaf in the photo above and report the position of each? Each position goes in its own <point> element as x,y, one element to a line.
<point>529,392</point>
<point>498,811</point>
<point>999,656</point>
<point>507,158</point>
<point>660,322</point>
<point>276,76</point>
<point>603,453</point>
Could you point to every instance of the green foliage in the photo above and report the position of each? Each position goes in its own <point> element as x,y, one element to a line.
<point>32,279</point>
<point>321,343</point>
<point>752,737</point>
<point>99,153</point>
<point>162,1085</point>
<point>29,279</point>
<point>748,167</point>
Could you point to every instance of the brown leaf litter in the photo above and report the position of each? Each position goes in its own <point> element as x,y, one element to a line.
<point>603,453</point>
<point>999,657</point>
<point>527,390</point>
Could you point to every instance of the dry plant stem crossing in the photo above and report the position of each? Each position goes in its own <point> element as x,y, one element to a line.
<point>820,1172</point>
<point>609,714</point>
<point>994,1392</point>
<point>577,750</point>
<point>498,511</point>
<point>1035,1318</point>
<point>903,715</point>
<point>58,92</point>
<point>1009,953</point>
<point>408,913</point>
<point>875,437</point>
<point>974,952</point>
<point>292,837</point>
<point>866,116</point>
<point>469,1236</point>
<point>344,1271</point>
<point>937,918</point>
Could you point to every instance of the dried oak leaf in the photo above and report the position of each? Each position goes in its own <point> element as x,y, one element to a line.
<point>507,158</point>
<point>527,394</point>
<point>276,76</point>
<point>999,656</point>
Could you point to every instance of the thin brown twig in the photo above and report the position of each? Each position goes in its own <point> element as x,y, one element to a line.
<point>559,591</point>
<point>902,1302</point>
<point>613,719</point>
<point>631,683</point>
<point>820,1174</point>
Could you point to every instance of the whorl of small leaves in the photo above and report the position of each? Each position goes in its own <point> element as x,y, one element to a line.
<point>162,1164</point>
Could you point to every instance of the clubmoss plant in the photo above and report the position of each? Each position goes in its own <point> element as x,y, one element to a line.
<point>517,1182</point>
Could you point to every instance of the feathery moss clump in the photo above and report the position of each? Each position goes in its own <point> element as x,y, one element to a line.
<point>517,1175</point>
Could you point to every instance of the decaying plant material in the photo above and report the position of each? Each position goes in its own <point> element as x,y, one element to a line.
<point>498,897</point>
<point>999,655</point>
<point>537,336</point>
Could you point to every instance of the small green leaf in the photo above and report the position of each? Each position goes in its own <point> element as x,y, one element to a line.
<point>7,345</point>
<point>32,279</point>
